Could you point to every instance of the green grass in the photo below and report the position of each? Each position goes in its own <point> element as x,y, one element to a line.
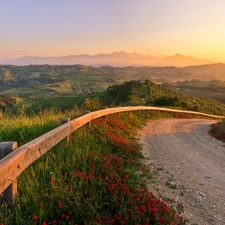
<point>98,178</point>
<point>59,87</point>
<point>23,128</point>
<point>144,89</point>
<point>26,91</point>
<point>58,103</point>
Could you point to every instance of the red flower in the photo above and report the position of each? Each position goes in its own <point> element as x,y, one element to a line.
<point>36,218</point>
<point>60,205</point>
<point>99,219</point>
<point>52,180</point>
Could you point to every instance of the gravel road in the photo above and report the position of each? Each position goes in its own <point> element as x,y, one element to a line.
<point>190,167</point>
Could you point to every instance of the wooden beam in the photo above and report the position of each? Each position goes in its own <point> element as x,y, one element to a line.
<point>10,193</point>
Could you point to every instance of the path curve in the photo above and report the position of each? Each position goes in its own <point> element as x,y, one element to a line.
<point>190,164</point>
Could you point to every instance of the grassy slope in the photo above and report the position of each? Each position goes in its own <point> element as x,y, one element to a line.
<point>96,179</point>
<point>58,103</point>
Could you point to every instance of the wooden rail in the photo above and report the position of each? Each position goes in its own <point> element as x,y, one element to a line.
<point>18,160</point>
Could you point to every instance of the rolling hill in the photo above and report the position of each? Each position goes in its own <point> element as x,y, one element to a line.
<point>214,89</point>
<point>37,82</point>
<point>136,92</point>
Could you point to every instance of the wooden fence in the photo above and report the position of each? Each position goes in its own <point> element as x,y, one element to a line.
<point>13,164</point>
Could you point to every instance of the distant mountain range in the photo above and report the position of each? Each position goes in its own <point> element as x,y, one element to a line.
<point>118,59</point>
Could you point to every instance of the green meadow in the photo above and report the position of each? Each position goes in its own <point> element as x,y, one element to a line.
<point>96,178</point>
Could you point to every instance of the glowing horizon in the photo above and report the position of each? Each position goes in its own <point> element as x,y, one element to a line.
<point>158,28</point>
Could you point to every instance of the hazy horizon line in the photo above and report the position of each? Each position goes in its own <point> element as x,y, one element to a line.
<point>156,55</point>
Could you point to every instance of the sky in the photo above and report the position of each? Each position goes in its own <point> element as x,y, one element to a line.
<point>149,27</point>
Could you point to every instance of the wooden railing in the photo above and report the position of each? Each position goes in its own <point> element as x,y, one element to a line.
<point>12,165</point>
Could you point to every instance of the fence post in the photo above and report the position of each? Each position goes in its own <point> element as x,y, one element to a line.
<point>66,120</point>
<point>86,111</point>
<point>10,193</point>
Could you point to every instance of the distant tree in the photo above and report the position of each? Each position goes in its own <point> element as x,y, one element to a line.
<point>92,104</point>
<point>168,101</point>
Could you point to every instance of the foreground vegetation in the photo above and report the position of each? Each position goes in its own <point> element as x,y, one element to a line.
<point>218,130</point>
<point>98,178</point>
<point>23,128</point>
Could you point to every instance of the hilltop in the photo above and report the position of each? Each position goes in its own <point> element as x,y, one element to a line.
<point>135,92</point>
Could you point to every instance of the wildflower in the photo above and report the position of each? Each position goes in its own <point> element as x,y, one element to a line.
<point>36,218</point>
<point>52,180</point>
<point>44,223</point>
<point>60,205</point>
<point>99,219</point>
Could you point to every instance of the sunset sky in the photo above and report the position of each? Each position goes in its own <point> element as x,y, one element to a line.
<point>150,27</point>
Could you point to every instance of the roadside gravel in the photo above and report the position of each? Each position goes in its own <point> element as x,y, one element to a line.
<point>190,167</point>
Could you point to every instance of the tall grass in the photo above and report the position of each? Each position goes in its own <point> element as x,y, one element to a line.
<point>23,128</point>
<point>98,178</point>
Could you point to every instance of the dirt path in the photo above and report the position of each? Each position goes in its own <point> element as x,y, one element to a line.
<point>190,164</point>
